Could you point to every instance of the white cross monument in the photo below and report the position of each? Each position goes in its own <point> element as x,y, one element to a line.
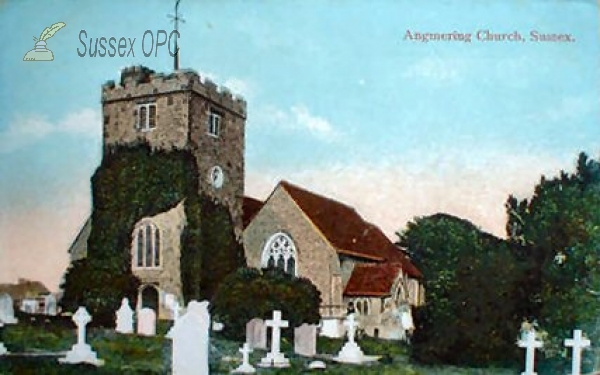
<point>275,358</point>
<point>245,367</point>
<point>578,343</point>
<point>530,344</point>
<point>81,352</point>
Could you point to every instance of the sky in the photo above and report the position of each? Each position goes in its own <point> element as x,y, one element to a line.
<point>343,99</point>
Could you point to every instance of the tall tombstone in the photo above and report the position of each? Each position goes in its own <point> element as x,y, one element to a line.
<point>50,305</point>
<point>305,340</point>
<point>81,352</point>
<point>191,340</point>
<point>7,310</point>
<point>124,318</point>
<point>578,343</point>
<point>256,334</point>
<point>146,324</point>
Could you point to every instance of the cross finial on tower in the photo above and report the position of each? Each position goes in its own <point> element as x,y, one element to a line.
<point>176,18</point>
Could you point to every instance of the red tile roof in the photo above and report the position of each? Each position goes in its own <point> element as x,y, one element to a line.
<point>250,208</point>
<point>372,280</point>
<point>346,230</point>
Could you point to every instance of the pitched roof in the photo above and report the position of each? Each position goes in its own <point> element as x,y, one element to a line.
<point>24,289</point>
<point>346,230</point>
<point>372,280</point>
<point>250,208</point>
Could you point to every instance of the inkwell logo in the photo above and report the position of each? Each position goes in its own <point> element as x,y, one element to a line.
<point>40,52</point>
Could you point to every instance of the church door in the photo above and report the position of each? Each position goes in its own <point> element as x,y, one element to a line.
<point>150,298</point>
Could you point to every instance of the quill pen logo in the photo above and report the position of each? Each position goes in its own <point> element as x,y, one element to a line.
<point>40,52</point>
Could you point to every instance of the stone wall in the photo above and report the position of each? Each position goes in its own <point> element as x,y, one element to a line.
<point>316,259</point>
<point>168,276</point>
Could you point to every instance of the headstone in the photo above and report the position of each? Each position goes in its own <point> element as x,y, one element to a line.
<point>218,326</point>
<point>29,306</point>
<point>124,321</point>
<point>3,349</point>
<point>7,311</point>
<point>173,305</point>
<point>50,305</point>
<point>530,343</point>
<point>190,335</point>
<point>256,334</point>
<point>351,352</point>
<point>578,343</point>
<point>146,323</point>
<point>275,358</point>
<point>305,340</point>
<point>245,367</point>
<point>317,365</point>
<point>81,352</point>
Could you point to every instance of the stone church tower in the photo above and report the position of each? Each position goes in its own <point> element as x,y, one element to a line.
<point>180,111</point>
<point>176,111</point>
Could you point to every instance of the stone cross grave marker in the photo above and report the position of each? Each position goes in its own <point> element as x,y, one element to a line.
<point>190,335</point>
<point>256,334</point>
<point>7,311</point>
<point>81,352</point>
<point>275,358</point>
<point>351,352</point>
<point>124,321</point>
<point>578,343</point>
<point>530,343</point>
<point>305,340</point>
<point>351,325</point>
<point>245,367</point>
<point>146,324</point>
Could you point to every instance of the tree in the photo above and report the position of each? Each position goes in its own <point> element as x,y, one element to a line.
<point>470,280</point>
<point>557,232</point>
<point>249,293</point>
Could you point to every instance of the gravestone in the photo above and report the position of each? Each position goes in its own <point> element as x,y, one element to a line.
<point>351,352</point>
<point>530,343</point>
<point>245,367</point>
<point>275,358</point>
<point>81,352</point>
<point>50,305</point>
<point>305,340</point>
<point>190,336</point>
<point>173,305</point>
<point>7,311</point>
<point>256,334</point>
<point>578,343</point>
<point>124,318</point>
<point>3,349</point>
<point>146,323</point>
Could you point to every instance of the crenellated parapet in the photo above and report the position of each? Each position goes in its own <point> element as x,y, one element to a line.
<point>141,82</point>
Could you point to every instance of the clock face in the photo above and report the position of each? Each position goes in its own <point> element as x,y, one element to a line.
<point>216,177</point>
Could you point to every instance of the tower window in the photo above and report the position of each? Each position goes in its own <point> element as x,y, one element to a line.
<point>214,123</point>
<point>146,117</point>
<point>147,246</point>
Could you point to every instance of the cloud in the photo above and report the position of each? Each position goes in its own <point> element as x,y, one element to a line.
<point>568,109</point>
<point>390,195</point>
<point>237,86</point>
<point>29,129</point>
<point>442,71</point>
<point>297,118</point>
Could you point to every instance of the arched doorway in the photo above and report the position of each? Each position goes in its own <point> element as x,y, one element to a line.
<point>149,297</point>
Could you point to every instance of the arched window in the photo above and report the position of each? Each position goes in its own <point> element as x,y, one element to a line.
<point>280,252</point>
<point>147,243</point>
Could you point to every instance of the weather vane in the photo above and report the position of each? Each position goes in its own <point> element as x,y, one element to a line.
<point>176,18</point>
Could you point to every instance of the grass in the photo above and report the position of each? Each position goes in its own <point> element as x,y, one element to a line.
<point>130,354</point>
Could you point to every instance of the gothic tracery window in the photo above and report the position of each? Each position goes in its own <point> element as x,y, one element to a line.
<point>147,246</point>
<point>280,252</point>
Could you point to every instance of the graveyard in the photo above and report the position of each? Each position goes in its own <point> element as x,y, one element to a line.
<point>37,342</point>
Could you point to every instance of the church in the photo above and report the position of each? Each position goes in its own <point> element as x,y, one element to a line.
<point>350,261</point>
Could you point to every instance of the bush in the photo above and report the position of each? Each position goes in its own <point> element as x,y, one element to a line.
<point>248,293</point>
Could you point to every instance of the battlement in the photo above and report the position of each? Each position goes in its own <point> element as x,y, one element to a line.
<point>141,82</point>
